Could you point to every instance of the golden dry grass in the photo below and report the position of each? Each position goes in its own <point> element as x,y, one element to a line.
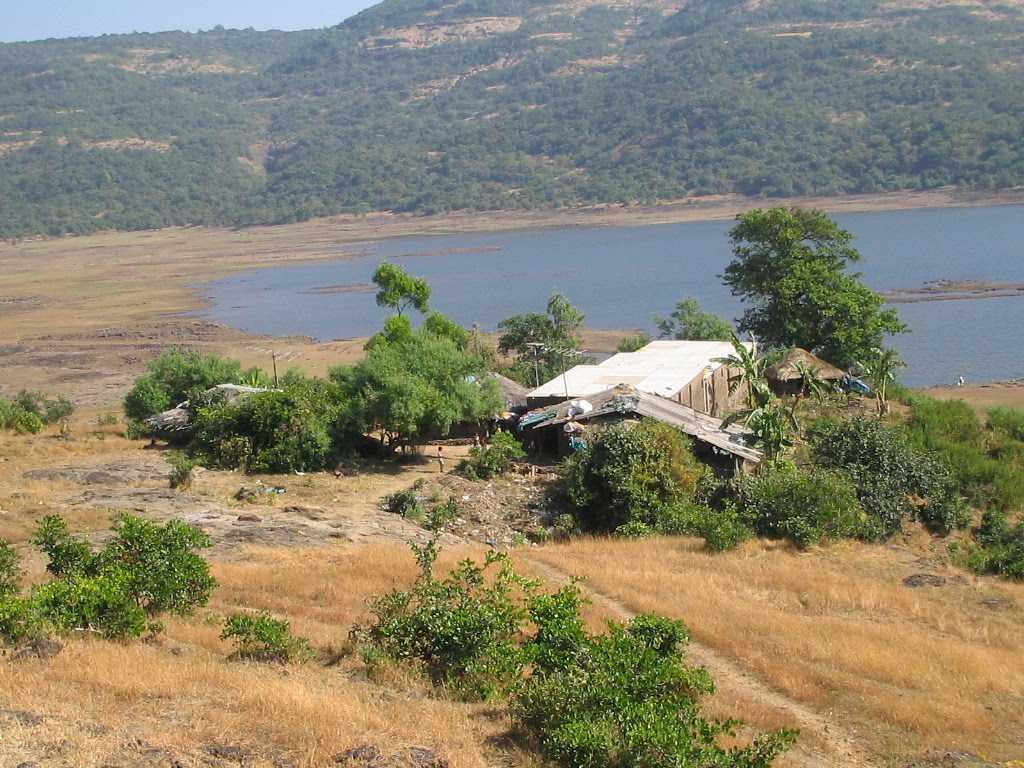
<point>837,629</point>
<point>183,693</point>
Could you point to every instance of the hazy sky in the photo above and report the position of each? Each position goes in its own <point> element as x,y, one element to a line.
<point>34,20</point>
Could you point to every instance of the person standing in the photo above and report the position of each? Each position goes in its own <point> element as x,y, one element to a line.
<point>440,459</point>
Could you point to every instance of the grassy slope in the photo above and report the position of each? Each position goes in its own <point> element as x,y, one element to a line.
<point>830,640</point>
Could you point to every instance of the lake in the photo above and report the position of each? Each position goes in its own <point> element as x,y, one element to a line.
<point>620,277</point>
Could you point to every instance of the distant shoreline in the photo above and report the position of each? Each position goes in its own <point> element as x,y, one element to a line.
<point>354,228</point>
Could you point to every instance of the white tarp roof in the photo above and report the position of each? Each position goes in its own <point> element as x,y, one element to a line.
<point>661,368</point>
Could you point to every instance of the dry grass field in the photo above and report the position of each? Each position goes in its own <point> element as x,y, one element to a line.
<point>832,641</point>
<point>874,672</point>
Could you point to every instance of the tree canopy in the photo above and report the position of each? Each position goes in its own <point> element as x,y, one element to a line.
<point>400,290</point>
<point>790,265</point>
<point>689,321</point>
<point>244,127</point>
<point>417,383</point>
<point>542,343</point>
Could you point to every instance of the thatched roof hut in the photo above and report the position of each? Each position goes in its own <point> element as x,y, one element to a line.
<point>513,392</point>
<point>785,371</point>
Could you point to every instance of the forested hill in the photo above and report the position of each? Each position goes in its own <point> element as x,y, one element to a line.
<point>432,105</point>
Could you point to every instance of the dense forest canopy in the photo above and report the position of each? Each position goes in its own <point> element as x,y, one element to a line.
<point>428,106</point>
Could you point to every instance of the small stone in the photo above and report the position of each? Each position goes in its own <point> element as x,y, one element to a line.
<point>40,648</point>
<point>250,518</point>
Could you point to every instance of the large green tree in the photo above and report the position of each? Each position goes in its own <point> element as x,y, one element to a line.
<point>417,382</point>
<point>400,290</point>
<point>542,343</point>
<point>791,266</point>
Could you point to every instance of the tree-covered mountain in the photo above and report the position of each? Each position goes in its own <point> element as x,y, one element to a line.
<point>433,105</point>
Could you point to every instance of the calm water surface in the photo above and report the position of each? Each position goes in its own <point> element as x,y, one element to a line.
<point>621,277</point>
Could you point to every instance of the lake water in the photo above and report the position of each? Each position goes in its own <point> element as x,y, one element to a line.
<point>622,276</point>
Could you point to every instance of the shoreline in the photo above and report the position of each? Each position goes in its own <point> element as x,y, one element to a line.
<point>81,315</point>
<point>352,229</point>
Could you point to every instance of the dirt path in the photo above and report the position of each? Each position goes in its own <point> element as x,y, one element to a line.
<point>842,748</point>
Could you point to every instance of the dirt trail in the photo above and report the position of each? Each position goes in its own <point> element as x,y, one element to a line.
<point>842,747</point>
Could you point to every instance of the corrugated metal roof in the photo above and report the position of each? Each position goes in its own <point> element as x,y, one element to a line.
<point>661,368</point>
<point>732,439</point>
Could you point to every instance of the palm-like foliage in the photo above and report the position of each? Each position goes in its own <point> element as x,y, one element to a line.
<point>811,385</point>
<point>771,424</point>
<point>749,367</point>
<point>880,370</point>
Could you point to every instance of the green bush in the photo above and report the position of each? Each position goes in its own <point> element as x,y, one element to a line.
<point>627,698</point>
<point>894,480</point>
<point>998,547</point>
<point>102,604</point>
<point>10,570</point>
<point>18,619</point>
<point>783,502</point>
<point>1007,420</point>
<point>270,431</point>
<point>495,458</point>
<point>723,528</point>
<point>181,470</point>
<point>632,472</point>
<point>47,410</point>
<point>623,699</point>
<point>405,503</point>
<point>261,637</point>
<point>985,460</point>
<point>27,423</point>
<point>177,375</point>
<point>146,569</point>
<point>460,629</point>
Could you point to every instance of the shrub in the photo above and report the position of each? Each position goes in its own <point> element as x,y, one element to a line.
<point>495,458</point>
<point>1007,420</point>
<point>17,618</point>
<point>27,423</point>
<point>634,529</point>
<point>618,700</point>
<point>894,480</point>
<point>998,547</point>
<point>782,502</point>
<point>10,570</point>
<point>270,431</point>
<point>102,604</point>
<point>442,515</point>
<point>174,377</point>
<point>261,637</point>
<point>460,629</point>
<point>181,470</point>
<point>627,698</point>
<point>632,472</point>
<point>984,461</point>
<point>405,503</point>
<point>723,528</point>
<point>145,570</point>
<point>67,554</point>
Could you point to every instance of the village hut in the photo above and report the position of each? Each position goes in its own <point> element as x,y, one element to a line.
<point>176,424</point>
<point>565,427</point>
<point>785,377</point>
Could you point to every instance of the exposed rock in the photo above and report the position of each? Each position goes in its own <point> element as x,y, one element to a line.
<point>105,474</point>
<point>369,756</point>
<point>40,648</point>
<point>248,517</point>
<point>228,752</point>
<point>21,717</point>
<point>924,580</point>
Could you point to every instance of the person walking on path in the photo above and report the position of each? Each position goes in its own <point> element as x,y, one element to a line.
<point>440,459</point>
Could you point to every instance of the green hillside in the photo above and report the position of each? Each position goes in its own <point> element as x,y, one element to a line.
<point>427,106</point>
